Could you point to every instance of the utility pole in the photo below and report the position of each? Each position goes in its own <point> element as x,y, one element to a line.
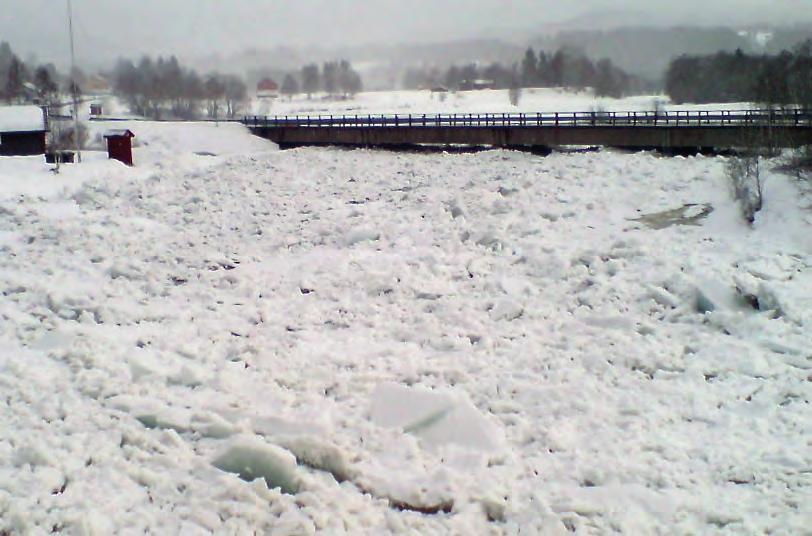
<point>74,85</point>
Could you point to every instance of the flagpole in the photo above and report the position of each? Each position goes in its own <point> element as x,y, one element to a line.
<point>74,85</point>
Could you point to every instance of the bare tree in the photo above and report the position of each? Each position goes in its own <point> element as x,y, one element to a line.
<point>515,89</point>
<point>745,170</point>
<point>236,93</point>
<point>215,90</point>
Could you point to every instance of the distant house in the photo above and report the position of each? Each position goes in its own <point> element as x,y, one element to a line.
<point>267,89</point>
<point>22,130</point>
<point>97,85</point>
<point>476,85</point>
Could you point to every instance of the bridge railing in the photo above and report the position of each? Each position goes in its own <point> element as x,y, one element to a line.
<point>687,118</point>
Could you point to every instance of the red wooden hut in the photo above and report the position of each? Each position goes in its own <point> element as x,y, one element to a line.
<point>120,146</point>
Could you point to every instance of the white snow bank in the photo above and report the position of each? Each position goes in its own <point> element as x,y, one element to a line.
<point>161,140</point>
<point>30,176</point>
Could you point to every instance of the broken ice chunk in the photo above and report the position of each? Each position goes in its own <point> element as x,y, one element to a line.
<point>437,417</point>
<point>251,458</point>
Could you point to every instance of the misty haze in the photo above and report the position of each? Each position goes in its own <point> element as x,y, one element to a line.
<point>342,267</point>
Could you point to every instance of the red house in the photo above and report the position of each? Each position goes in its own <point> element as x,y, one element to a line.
<point>267,89</point>
<point>120,146</point>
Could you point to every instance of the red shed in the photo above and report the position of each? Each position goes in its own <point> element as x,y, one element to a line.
<point>120,146</point>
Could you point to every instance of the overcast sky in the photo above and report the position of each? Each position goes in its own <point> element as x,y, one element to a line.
<point>108,28</point>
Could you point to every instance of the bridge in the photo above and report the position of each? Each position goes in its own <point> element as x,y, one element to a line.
<point>664,130</point>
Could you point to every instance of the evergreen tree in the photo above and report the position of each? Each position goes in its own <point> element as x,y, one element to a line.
<point>609,80</point>
<point>45,83</point>
<point>349,80</point>
<point>15,77</point>
<point>311,81</point>
<point>330,77</point>
<point>530,69</point>
<point>290,86</point>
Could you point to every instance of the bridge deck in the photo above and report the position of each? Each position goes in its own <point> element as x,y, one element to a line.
<point>675,129</point>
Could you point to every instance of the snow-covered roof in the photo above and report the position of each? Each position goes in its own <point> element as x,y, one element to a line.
<point>21,119</point>
<point>119,133</point>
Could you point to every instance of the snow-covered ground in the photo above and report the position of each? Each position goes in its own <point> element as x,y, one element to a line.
<point>486,101</point>
<point>426,102</point>
<point>490,343</point>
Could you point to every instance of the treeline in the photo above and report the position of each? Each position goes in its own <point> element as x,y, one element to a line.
<point>781,80</point>
<point>567,67</point>
<point>21,83</point>
<point>648,51</point>
<point>335,78</point>
<point>164,88</point>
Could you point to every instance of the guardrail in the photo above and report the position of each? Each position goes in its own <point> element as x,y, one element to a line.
<point>798,117</point>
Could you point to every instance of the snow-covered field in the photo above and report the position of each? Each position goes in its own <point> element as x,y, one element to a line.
<point>490,343</point>
<point>486,101</point>
<point>426,102</point>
